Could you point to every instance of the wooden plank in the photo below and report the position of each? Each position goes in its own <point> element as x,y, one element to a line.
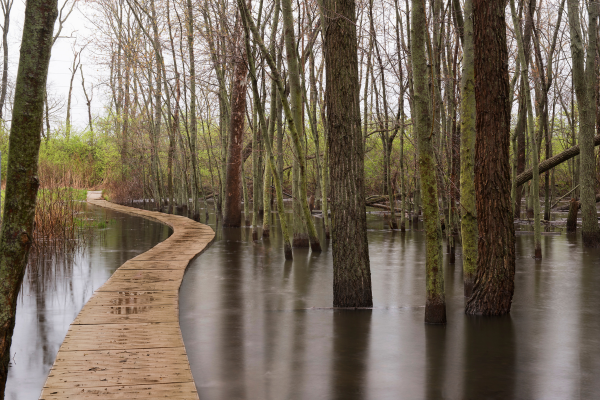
<point>164,256</point>
<point>191,247</point>
<point>152,265</point>
<point>121,367</point>
<point>143,280</point>
<point>91,315</point>
<point>126,342</point>
<point>173,391</point>
<point>125,298</point>
<point>121,337</point>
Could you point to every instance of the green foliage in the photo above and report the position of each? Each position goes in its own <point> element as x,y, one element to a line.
<point>82,159</point>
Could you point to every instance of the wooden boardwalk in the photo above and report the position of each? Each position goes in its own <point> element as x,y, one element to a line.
<point>126,342</point>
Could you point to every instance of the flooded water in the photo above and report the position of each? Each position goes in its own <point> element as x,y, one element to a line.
<point>56,288</point>
<point>258,327</point>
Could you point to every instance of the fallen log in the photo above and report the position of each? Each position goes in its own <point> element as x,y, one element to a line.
<point>553,162</point>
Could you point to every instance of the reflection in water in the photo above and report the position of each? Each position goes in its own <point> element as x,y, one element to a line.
<point>489,354</point>
<point>258,327</point>
<point>350,354</point>
<point>56,286</point>
<point>232,323</point>
<point>435,356</point>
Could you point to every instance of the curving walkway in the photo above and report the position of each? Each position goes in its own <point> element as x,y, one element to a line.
<point>126,342</point>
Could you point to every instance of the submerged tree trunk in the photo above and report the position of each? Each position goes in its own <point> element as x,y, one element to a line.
<point>572,217</point>
<point>435,306</point>
<point>530,128</point>
<point>467,155</point>
<point>494,282</point>
<point>196,184</point>
<point>584,81</point>
<point>21,180</point>
<point>301,209</point>
<point>351,267</point>
<point>232,213</point>
<point>277,174</point>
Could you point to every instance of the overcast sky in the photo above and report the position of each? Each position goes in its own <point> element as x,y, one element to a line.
<point>61,62</point>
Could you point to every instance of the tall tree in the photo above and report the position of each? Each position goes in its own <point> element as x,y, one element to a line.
<point>22,181</point>
<point>74,68</point>
<point>435,306</point>
<point>467,154</point>
<point>351,267</point>
<point>196,185</point>
<point>494,283</point>
<point>530,128</point>
<point>88,99</point>
<point>301,206</point>
<point>6,8</point>
<point>287,245</point>
<point>585,82</point>
<point>232,213</point>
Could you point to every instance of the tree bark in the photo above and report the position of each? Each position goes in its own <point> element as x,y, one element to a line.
<point>467,155</point>
<point>572,217</point>
<point>494,282</point>
<point>435,306</point>
<point>21,180</point>
<point>584,81</point>
<point>232,213</point>
<point>351,267</point>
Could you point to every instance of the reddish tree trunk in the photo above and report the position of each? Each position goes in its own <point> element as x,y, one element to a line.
<point>232,212</point>
<point>494,284</point>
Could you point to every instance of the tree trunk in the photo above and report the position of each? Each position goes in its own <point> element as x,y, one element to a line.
<point>277,175</point>
<point>74,68</point>
<point>572,217</point>
<point>534,145</point>
<point>520,134</point>
<point>21,179</point>
<point>351,267</point>
<point>88,102</point>
<point>232,213</point>
<point>584,81</point>
<point>435,306</point>
<point>467,155</point>
<point>6,8</point>
<point>494,282</point>
<point>196,184</point>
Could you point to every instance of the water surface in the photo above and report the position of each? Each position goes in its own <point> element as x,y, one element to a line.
<point>258,327</point>
<point>56,287</point>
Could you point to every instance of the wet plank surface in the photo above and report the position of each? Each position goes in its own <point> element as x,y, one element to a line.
<point>126,342</point>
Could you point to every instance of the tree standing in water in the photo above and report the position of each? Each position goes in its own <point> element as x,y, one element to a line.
<point>585,83</point>
<point>435,305</point>
<point>351,267</point>
<point>467,155</point>
<point>494,283</point>
<point>232,213</point>
<point>22,180</point>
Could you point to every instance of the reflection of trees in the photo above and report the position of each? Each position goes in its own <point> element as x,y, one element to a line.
<point>49,272</point>
<point>435,357</point>
<point>351,335</point>
<point>490,358</point>
<point>232,323</point>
